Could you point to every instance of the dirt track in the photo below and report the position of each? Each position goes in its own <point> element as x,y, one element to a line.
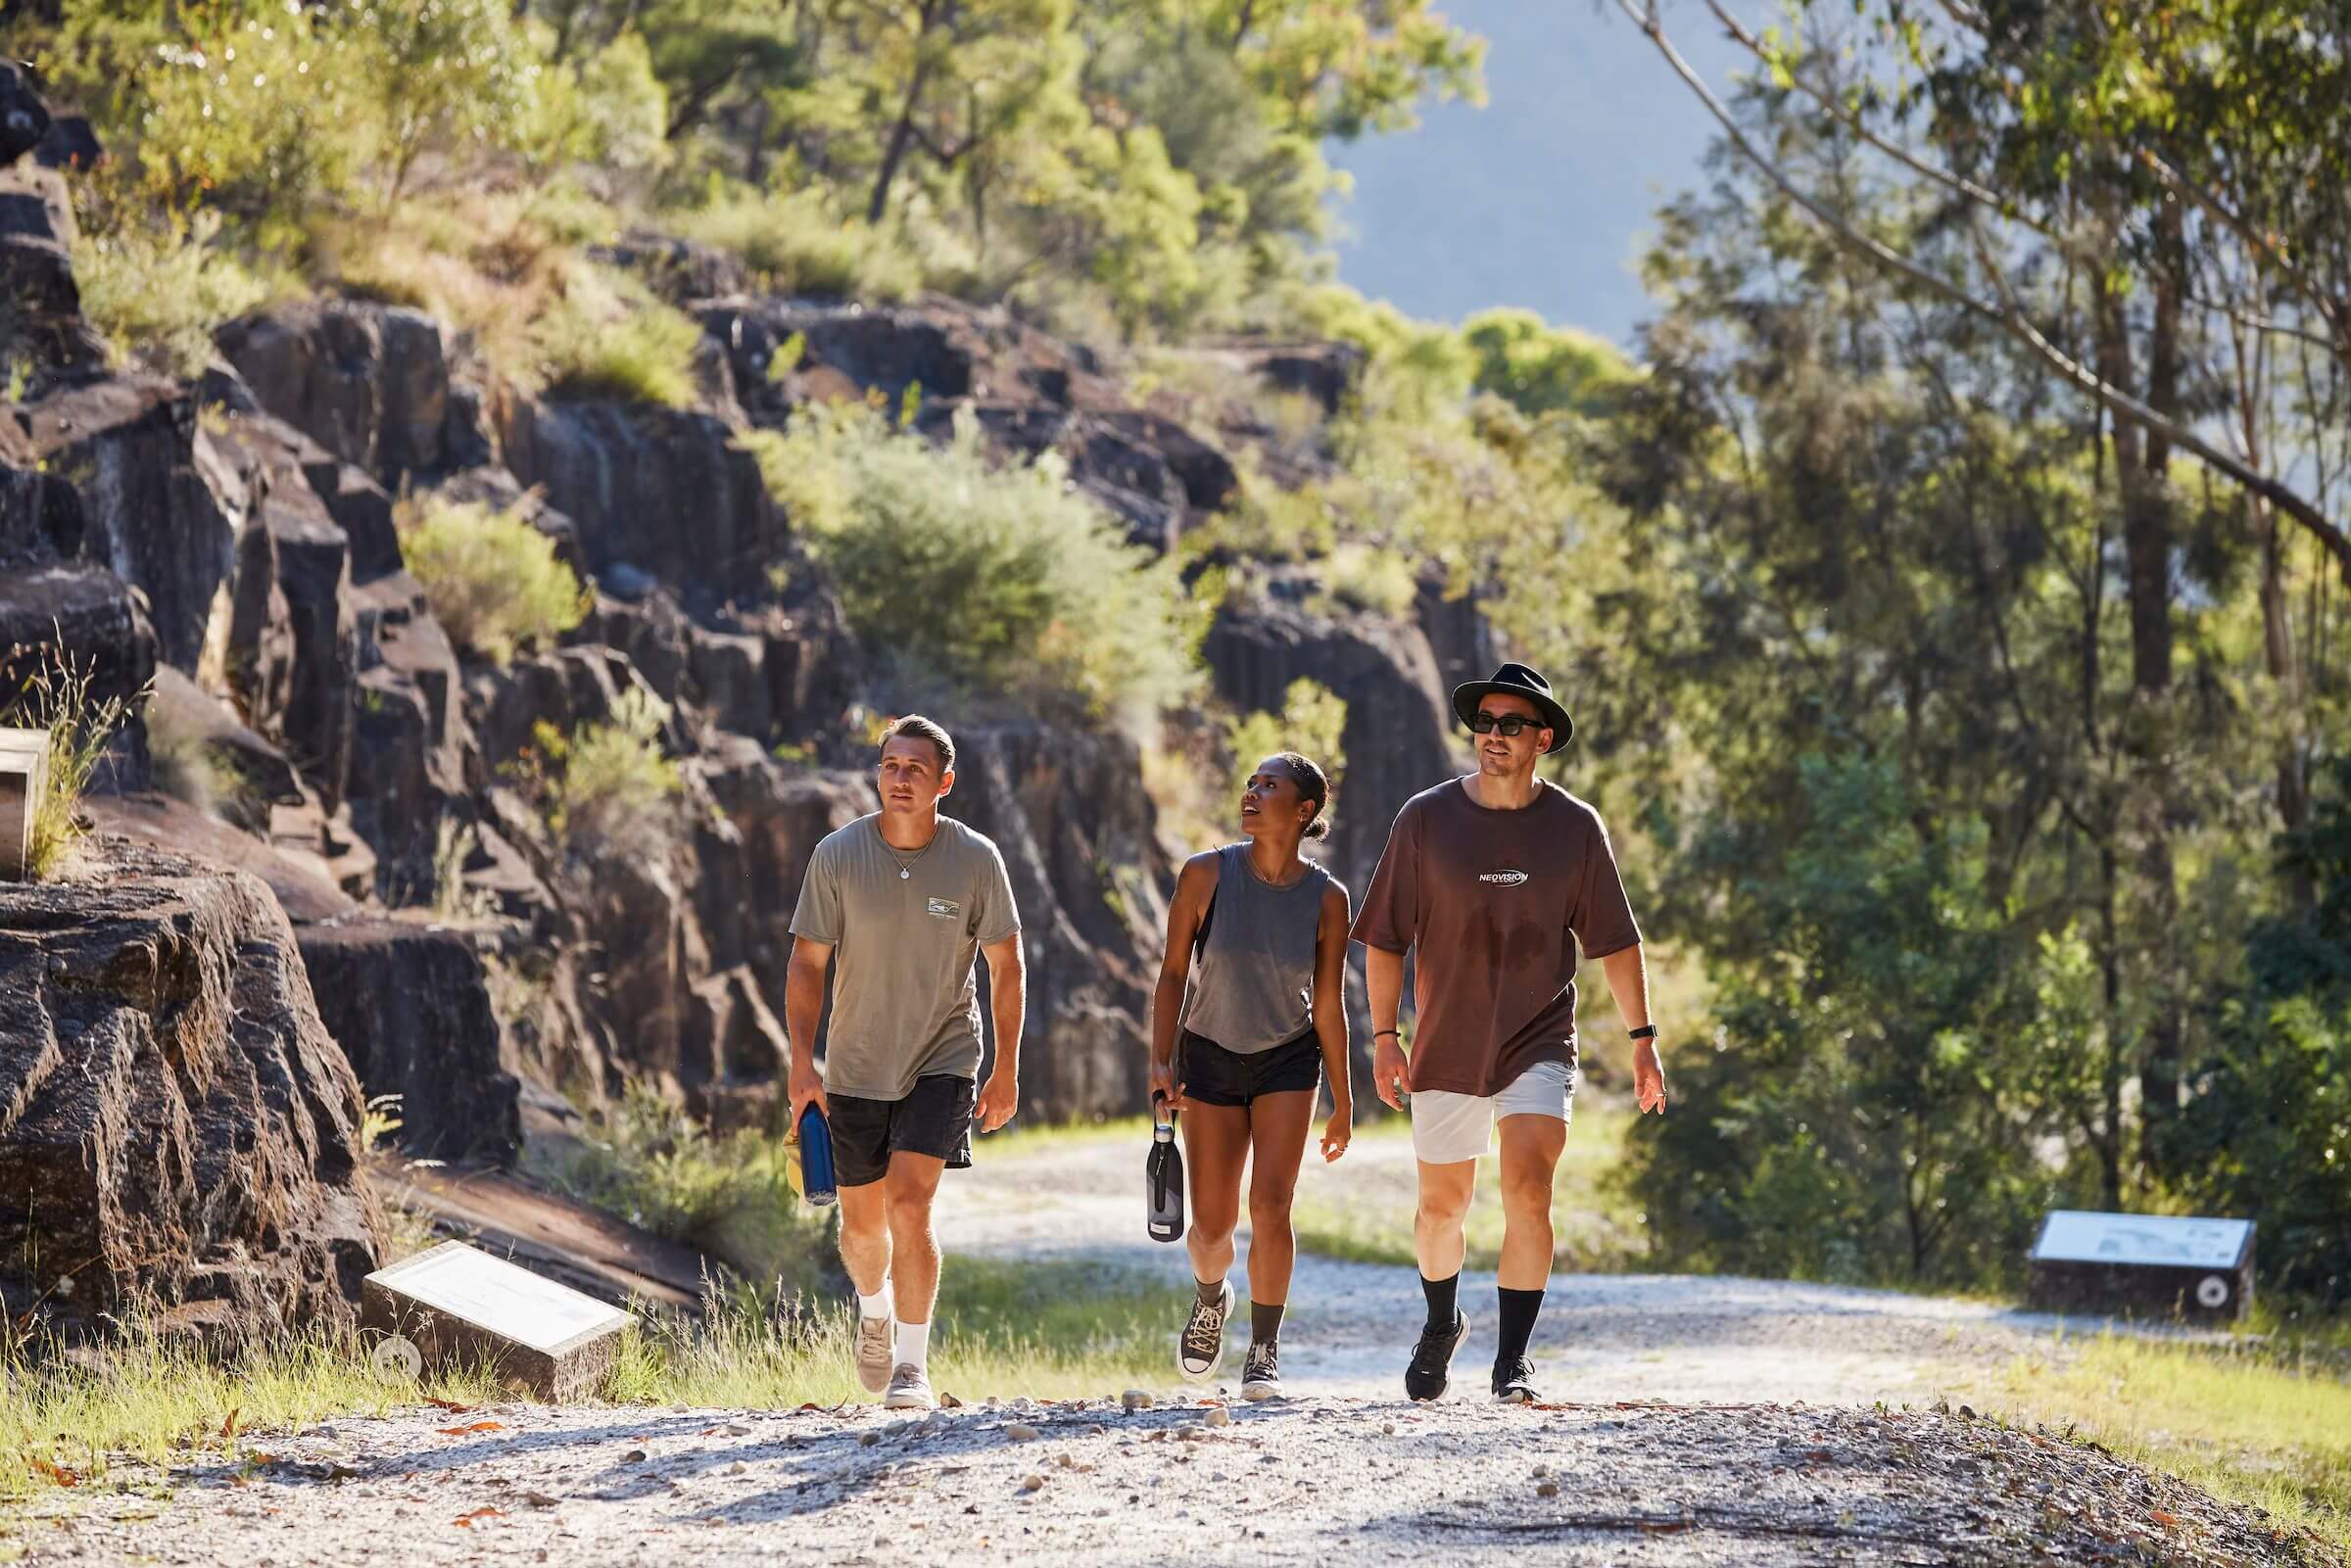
<point>1722,1465</point>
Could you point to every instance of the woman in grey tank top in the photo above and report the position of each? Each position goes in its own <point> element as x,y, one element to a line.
<point>1246,1021</point>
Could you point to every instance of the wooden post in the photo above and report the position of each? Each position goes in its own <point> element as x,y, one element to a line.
<point>23,779</point>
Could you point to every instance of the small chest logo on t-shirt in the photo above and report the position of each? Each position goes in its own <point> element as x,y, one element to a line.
<point>943,908</point>
<point>1502,878</point>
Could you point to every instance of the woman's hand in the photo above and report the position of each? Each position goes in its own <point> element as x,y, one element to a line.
<point>1337,1132</point>
<point>1164,1086</point>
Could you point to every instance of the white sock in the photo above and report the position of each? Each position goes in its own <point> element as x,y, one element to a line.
<point>878,1304</point>
<point>914,1344</point>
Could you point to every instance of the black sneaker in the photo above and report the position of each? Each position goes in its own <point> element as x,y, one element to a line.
<point>1201,1344</point>
<point>1261,1373</point>
<point>1514,1385</point>
<point>1432,1360</point>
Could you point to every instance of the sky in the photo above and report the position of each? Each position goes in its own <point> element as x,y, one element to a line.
<point>1543,198</point>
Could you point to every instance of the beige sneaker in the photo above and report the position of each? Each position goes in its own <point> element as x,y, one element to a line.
<point>873,1353</point>
<point>909,1389</point>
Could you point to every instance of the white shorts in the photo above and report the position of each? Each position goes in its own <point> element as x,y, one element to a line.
<point>1449,1127</point>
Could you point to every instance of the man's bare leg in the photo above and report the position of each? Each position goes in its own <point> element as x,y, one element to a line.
<point>865,1252</point>
<point>1530,1157</point>
<point>1438,1241</point>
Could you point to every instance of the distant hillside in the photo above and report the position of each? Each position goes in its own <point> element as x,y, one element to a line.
<point>1542,198</point>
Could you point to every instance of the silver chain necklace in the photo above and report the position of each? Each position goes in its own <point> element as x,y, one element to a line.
<point>906,867</point>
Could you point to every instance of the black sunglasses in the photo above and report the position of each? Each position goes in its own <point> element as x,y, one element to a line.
<point>1508,724</point>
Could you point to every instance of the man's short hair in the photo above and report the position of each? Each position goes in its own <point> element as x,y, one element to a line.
<point>922,729</point>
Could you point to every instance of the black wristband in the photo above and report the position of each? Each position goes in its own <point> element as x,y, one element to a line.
<point>1647,1032</point>
<point>1377,1033</point>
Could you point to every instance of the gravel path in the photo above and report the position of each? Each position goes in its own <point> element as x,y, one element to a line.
<point>1698,1421</point>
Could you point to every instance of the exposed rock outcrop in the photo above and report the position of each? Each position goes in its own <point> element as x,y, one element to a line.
<point>407,1003</point>
<point>175,1123</point>
<point>1080,842</point>
<point>1400,735</point>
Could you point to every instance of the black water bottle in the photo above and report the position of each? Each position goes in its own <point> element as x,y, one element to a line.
<point>1163,1174</point>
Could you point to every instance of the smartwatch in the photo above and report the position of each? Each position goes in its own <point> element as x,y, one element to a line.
<point>1647,1032</point>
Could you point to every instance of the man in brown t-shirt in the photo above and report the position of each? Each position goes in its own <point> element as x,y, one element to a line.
<point>1492,881</point>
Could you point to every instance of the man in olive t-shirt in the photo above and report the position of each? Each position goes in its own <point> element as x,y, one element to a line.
<point>897,905</point>
<point>1491,882</point>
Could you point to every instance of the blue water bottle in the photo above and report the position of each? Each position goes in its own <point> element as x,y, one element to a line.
<point>816,1158</point>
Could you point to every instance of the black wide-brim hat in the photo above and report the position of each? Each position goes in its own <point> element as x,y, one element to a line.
<point>1518,681</point>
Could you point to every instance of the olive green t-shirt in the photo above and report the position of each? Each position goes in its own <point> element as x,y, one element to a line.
<point>904,1004</point>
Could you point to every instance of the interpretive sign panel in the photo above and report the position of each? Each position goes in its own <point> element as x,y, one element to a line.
<point>457,1301</point>
<point>23,779</point>
<point>2146,1265</point>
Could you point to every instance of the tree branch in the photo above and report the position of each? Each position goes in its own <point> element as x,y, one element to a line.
<point>2179,185</point>
<point>2007,315</point>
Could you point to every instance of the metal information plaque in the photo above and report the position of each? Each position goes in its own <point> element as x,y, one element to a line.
<point>455,1300</point>
<point>2164,1266</point>
<point>2072,1235</point>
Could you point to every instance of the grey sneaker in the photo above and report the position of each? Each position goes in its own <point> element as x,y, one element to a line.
<point>1260,1374</point>
<point>873,1353</point>
<point>1201,1344</point>
<point>909,1389</point>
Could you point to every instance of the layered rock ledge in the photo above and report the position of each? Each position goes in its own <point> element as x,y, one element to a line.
<point>178,1130</point>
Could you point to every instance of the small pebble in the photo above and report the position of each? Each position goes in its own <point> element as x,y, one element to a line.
<point>1388,1428</point>
<point>1548,1488</point>
<point>1219,1416</point>
<point>1542,1470</point>
<point>866,1439</point>
<point>737,1469</point>
<point>632,1456</point>
<point>1033,1483</point>
<point>1021,1432</point>
<point>1138,1399</point>
<point>734,1431</point>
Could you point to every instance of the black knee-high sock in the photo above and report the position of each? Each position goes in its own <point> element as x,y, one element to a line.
<point>1519,1310</point>
<point>1444,1296</point>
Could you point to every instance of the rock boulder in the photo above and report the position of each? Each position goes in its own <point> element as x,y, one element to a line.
<point>175,1124</point>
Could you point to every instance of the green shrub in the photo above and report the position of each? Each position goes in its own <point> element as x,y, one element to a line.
<point>655,1167</point>
<point>493,579</point>
<point>602,779</point>
<point>1001,582</point>
<point>607,337</point>
<point>155,289</point>
<point>799,246</point>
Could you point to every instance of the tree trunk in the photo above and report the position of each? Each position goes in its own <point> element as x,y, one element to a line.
<point>901,137</point>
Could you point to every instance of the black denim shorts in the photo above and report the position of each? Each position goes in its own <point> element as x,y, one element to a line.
<point>934,1118</point>
<point>1214,1075</point>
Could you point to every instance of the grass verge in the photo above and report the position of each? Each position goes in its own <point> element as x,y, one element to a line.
<point>1361,1209</point>
<point>2266,1425</point>
<point>1045,1330</point>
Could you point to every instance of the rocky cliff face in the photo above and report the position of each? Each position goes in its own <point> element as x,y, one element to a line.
<point>240,536</point>
<point>176,1127</point>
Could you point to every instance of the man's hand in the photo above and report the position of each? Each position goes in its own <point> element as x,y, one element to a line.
<point>1338,1130</point>
<point>1649,1078</point>
<point>999,1098</point>
<point>807,1086</point>
<point>1390,1077</point>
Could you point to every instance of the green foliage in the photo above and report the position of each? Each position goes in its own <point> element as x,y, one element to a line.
<point>1544,369</point>
<point>798,244</point>
<point>605,337</point>
<point>2272,1133</point>
<point>157,290</point>
<point>611,112</point>
<point>1312,722</point>
<point>606,780</point>
<point>1858,1118</point>
<point>493,579</point>
<point>660,1168</point>
<point>1002,581</point>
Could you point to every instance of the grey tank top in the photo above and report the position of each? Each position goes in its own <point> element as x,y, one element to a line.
<point>1254,986</point>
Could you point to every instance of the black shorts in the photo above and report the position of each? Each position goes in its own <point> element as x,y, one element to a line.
<point>1214,1075</point>
<point>934,1118</point>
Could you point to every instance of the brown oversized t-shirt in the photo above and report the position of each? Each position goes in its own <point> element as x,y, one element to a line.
<point>1494,903</point>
